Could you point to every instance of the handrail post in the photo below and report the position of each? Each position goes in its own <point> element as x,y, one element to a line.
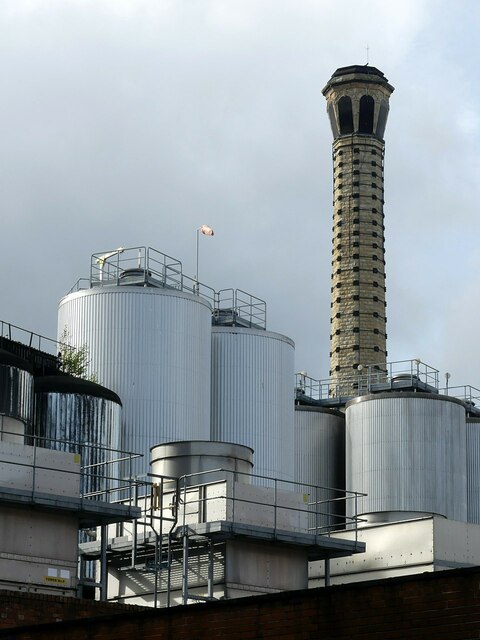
<point>233,498</point>
<point>135,530</point>
<point>275,507</point>
<point>103,563</point>
<point>157,568</point>
<point>356,517</point>
<point>34,466</point>
<point>185,548</point>
<point>210,575</point>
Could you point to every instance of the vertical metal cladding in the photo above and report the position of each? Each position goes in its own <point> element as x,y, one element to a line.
<point>320,457</point>
<point>407,451</point>
<point>320,447</point>
<point>16,396</point>
<point>81,417</point>
<point>252,397</point>
<point>473,470</point>
<point>152,346</point>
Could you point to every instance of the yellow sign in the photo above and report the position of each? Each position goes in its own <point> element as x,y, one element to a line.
<point>54,580</point>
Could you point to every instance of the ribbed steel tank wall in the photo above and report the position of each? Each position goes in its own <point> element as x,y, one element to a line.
<point>152,346</point>
<point>81,417</point>
<point>319,455</point>
<point>320,447</point>
<point>407,451</point>
<point>252,396</point>
<point>16,397</point>
<point>473,470</point>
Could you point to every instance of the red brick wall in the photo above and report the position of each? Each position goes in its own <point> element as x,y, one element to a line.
<point>19,608</point>
<point>440,606</point>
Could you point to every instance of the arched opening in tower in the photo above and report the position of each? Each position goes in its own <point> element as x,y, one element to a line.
<point>345,115</point>
<point>367,108</point>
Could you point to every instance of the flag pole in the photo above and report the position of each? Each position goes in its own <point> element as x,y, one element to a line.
<point>196,272</point>
<point>207,231</point>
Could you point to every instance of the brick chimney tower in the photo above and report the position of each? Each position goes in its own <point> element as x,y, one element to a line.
<point>357,105</point>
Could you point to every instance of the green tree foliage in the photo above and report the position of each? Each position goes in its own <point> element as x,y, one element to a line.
<point>75,361</point>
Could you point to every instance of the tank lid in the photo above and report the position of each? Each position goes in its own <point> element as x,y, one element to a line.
<point>201,447</point>
<point>11,360</point>
<point>319,409</point>
<point>70,384</point>
<point>387,395</point>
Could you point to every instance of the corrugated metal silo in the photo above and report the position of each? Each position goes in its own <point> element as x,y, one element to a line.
<point>16,397</point>
<point>407,452</point>
<point>320,461</point>
<point>82,417</point>
<point>252,396</point>
<point>152,346</point>
<point>473,470</point>
<point>320,446</point>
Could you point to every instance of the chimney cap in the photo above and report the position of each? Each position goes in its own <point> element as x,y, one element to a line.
<point>357,72</point>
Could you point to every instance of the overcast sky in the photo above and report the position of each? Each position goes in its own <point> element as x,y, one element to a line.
<point>133,122</point>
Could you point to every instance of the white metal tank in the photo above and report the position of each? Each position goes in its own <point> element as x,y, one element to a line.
<point>176,459</point>
<point>319,456</point>
<point>16,397</point>
<point>252,395</point>
<point>81,417</point>
<point>407,451</point>
<point>152,346</point>
<point>473,470</point>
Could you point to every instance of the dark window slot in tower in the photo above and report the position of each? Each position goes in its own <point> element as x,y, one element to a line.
<point>367,108</point>
<point>345,115</point>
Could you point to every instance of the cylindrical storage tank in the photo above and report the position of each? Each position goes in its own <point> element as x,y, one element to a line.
<point>176,459</point>
<point>473,470</point>
<point>152,346</point>
<point>82,417</point>
<point>407,451</point>
<point>252,396</point>
<point>16,397</point>
<point>319,455</point>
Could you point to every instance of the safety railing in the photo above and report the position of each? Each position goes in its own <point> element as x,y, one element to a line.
<point>274,509</point>
<point>80,285</point>
<point>409,370</point>
<point>192,285</point>
<point>235,307</point>
<point>99,472</point>
<point>178,519</point>
<point>466,393</point>
<point>135,264</point>
<point>45,355</point>
<point>372,378</point>
<point>280,505</point>
<point>35,340</point>
<point>148,267</point>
